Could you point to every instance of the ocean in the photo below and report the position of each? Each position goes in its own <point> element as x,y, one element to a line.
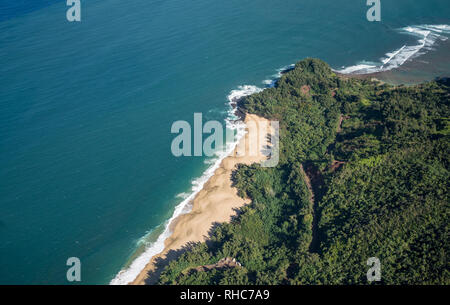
<point>86,109</point>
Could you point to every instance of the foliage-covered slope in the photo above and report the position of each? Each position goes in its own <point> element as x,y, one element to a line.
<point>377,158</point>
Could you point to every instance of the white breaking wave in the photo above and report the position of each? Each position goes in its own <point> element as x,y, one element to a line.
<point>270,83</point>
<point>428,35</point>
<point>129,274</point>
<point>242,91</point>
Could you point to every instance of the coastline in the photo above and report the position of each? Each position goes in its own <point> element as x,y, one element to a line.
<point>217,202</point>
<point>171,242</point>
<point>428,36</point>
<point>87,164</point>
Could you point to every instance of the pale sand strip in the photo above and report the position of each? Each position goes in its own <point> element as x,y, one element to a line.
<point>218,200</point>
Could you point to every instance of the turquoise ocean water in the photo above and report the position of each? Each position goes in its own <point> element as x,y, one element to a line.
<point>86,108</point>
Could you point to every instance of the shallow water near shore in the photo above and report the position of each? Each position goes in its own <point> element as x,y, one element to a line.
<point>430,66</point>
<point>86,109</point>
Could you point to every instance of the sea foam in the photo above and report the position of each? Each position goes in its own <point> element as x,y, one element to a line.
<point>427,35</point>
<point>270,83</point>
<point>233,123</point>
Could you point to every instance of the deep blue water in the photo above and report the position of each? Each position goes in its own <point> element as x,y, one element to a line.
<point>86,108</point>
<point>14,8</point>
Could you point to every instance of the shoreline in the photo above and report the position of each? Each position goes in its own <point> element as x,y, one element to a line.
<point>428,38</point>
<point>235,122</point>
<point>217,202</point>
<point>165,241</point>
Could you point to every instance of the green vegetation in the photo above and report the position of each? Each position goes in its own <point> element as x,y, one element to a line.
<point>378,159</point>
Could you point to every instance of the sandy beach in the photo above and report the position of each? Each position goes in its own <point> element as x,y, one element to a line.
<point>217,201</point>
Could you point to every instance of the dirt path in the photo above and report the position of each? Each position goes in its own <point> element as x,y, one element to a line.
<point>226,262</point>
<point>314,182</point>
<point>308,184</point>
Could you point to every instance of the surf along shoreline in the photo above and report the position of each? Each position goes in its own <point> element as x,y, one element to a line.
<point>195,217</point>
<point>217,202</point>
<point>213,200</point>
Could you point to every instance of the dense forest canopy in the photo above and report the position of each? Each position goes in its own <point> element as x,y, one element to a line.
<point>363,172</point>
